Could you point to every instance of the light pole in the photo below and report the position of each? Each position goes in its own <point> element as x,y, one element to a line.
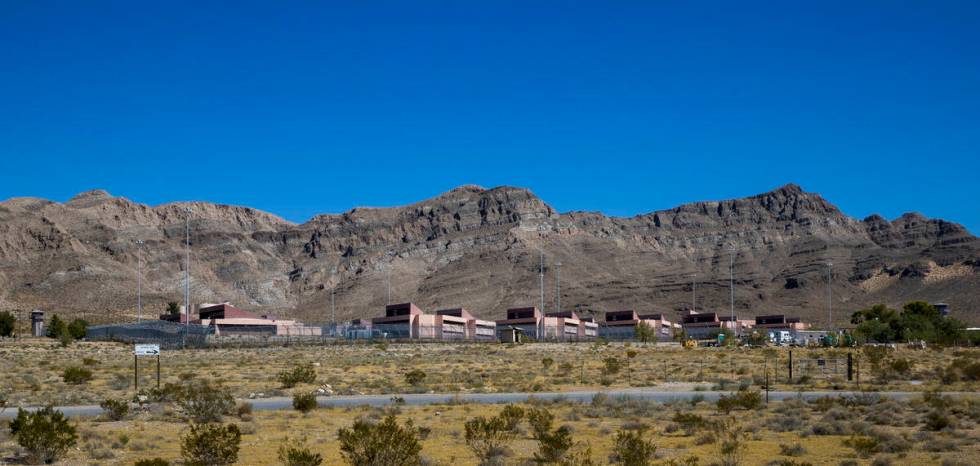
<point>387,285</point>
<point>139,280</point>
<point>830,300</point>
<point>187,271</point>
<point>541,279</point>
<point>558,286</point>
<point>694,292</point>
<point>731,284</point>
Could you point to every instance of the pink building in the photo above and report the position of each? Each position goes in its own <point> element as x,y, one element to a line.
<point>460,323</point>
<point>228,320</point>
<point>406,320</point>
<point>709,324</point>
<point>621,325</point>
<point>572,327</point>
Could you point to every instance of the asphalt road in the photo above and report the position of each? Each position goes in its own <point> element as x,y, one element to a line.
<point>651,394</point>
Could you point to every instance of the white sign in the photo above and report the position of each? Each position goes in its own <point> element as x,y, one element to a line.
<point>147,350</point>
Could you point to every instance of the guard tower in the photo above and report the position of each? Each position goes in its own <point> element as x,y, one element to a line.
<point>37,323</point>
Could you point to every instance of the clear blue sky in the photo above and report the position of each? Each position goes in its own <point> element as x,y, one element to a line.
<point>302,108</point>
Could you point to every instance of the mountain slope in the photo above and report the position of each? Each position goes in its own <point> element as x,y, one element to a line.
<point>480,248</point>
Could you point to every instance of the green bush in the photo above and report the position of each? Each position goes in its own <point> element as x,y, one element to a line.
<point>748,400</point>
<point>210,445</point>
<point>76,375</point>
<point>554,446</point>
<point>300,373</point>
<point>541,421</point>
<point>7,321</point>
<point>115,410</point>
<point>863,446</point>
<point>78,328</point>
<point>488,437</point>
<point>45,434</point>
<point>512,416</point>
<point>546,363</point>
<point>415,377</point>
<point>203,401</point>
<point>611,366</point>
<point>304,402</point>
<point>689,422</point>
<point>57,327</point>
<point>632,449</point>
<point>152,462</point>
<point>298,455</point>
<point>380,444</point>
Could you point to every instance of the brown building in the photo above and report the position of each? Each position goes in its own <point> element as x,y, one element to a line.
<point>703,325</point>
<point>406,320</point>
<point>621,325</point>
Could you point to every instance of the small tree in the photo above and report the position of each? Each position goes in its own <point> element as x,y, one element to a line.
<point>46,434</point>
<point>630,354</point>
<point>612,366</point>
<point>76,375</point>
<point>78,328</point>
<point>304,402</point>
<point>644,333</point>
<point>632,449</point>
<point>173,308</point>
<point>553,446</point>
<point>512,416</point>
<point>488,437</point>
<point>115,410</point>
<point>210,445</point>
<point>540,420</point>
<point>546,363</point>
<point>382,444</point>
<point>298,455</point>
<point>7,321</point>
<point>57,327</point>
<point>204,402</point>
<point>415,377</point>
<point>300,373</point>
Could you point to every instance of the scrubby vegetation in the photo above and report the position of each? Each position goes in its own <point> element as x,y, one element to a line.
<point>210,445</point>
<point>45,435</point>
<point>382,443</point>
<point>300,373</point>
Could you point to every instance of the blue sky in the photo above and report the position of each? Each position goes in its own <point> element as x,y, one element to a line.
<point>301,108</point>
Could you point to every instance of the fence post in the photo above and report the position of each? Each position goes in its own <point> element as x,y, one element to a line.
<point>850,366</point>
<point>136,372</point>
<point>790,366</point>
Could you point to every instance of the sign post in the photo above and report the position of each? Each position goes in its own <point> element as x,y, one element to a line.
<point>145,350</point>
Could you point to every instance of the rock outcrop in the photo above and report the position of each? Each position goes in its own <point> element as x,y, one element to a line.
<point>481,248</point>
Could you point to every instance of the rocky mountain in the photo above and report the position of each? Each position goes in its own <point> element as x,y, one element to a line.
<point>481,249</point>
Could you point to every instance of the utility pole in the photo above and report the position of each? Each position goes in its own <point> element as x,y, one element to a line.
<point>830,301</point>
<point>387,285</point>
<point>558,286</point>
<point>139,280</point>
<point>694,292</point>
<point>187,272</point>
<point>731,285</point>
<point>541,279</point>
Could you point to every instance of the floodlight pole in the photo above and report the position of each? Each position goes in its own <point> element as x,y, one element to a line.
<point>558,286</point>
<point>731,286</point>
<point>187,272</point>
<point>541,279</point>
<point>387,285</point>
<point>694,292</point>
<point>139,280</point>
<point>830,301</point>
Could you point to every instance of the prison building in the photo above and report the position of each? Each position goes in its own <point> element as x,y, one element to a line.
<point>571,327</point>
<point>459,323</point>
<point>532,323</point>
<point>704,325</point>
<point>780,322</point>
<point>401,321</point>
<point>228,320</point>
<point>621,325</point>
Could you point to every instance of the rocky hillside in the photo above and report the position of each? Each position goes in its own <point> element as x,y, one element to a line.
<point>481,248</point>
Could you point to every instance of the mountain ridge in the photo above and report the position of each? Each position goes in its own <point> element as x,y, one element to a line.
<point>479,248</point>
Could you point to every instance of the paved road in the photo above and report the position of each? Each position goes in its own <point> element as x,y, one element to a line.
<point>651,394</point>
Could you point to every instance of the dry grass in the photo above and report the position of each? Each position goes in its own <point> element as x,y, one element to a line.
<point>32,369</point>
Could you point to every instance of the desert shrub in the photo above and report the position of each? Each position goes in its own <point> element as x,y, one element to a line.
<point>300,373</point>
<point>243,410</point>
<point>76,375</point>
<point>304,402</point>
<point>204,402</point>
<point>380,444</point>
<point>863,446</point>
<point>415,377</point>
<point>114,409</point>
<point>791,450</point>
<point>689,422</point>
<point>90,362</point>
<point>937,420</point>
<point>7,321</point>
<point>632,449</point>
<point>541,421</point>
<point>546,363</point>
<point>961,369</point>
<point>749,400</point>
<point>553,446</point>
<point>488,437</point>
<point>78,328</point>
<point>733,445</point>
<point>881,461</point>
<point>565,368</point>
<point>152,462</point>
<point>611,366</point>
<point>901,366</point>
<point>298,455</point>
<point>512,415</point>
<point>210,445</point>
<point>45,434</point>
